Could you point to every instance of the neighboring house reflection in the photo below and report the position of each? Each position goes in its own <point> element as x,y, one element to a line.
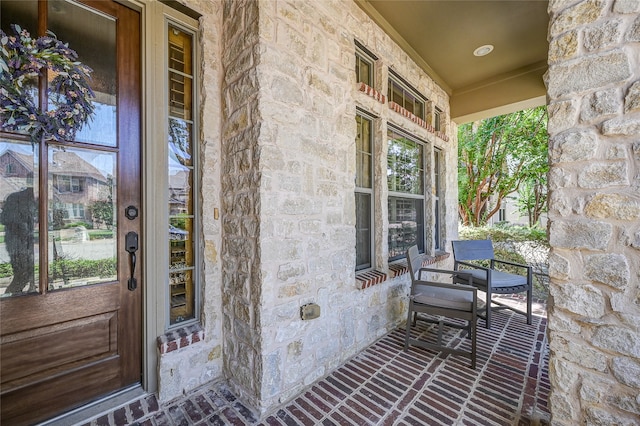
<point>75,184</point>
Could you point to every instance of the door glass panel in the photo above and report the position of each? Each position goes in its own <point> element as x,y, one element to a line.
<point>82,212</point>
<point>24,14</point>
<point>85,31</point>
<point>19,218</point>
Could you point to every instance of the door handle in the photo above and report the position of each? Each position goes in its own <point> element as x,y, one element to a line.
<point>131,246</point>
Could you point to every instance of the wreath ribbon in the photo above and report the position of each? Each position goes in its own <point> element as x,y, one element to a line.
<point>70,98</point>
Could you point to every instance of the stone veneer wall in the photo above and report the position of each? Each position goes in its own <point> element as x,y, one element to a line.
<point>594,125</point>
<point>290,99</point>
<point>242,281</point>
<point>280,150</point>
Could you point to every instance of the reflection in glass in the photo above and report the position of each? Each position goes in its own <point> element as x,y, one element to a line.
<point>93,37</point>
<point>180,268</point>
<point>363,230</point>
<point>23,13</point>
<point>82,227</point>
<point>404,165</point>
<point>180,198</point>
<point>18,219</point>
<point>406,225</point>
<point>180,73</point>
<point>181,176</point>
<point>180,141</point>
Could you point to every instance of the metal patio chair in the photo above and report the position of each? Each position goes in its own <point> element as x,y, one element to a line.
<point>440,300</point>
<point>466,254</point>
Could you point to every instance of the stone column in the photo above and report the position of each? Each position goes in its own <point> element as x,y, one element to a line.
<point>594,211</point>
<point>241,276</point>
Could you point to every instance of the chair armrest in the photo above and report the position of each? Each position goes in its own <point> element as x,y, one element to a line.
<point>472,265</point>
<point>462,274</point>
<point>506,262</point>
<point>443,271</point>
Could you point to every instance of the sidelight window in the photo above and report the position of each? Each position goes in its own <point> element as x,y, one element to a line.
<point>183,220</point>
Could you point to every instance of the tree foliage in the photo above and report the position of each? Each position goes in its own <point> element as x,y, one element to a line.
<point>532,198</point>
<point>498,156</point>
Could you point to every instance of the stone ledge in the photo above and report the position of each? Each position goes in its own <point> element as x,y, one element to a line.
<point>180,338</point>
<point>369,279</point>
<point>401,267</point>
<point>370,91</point>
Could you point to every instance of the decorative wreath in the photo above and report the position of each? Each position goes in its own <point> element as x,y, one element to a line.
<point>22,61</point>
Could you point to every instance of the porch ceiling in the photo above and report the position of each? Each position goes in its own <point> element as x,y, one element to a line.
<point>441,36</point>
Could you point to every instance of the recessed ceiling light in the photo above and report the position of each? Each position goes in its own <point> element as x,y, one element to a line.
<point>483,50</point>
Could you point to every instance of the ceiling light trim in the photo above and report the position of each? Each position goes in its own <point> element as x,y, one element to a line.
<point>483,50</point>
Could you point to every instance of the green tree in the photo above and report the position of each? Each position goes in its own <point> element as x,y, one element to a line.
<point>496,157</point>
<point>532,199</point>
<point>102,209</point>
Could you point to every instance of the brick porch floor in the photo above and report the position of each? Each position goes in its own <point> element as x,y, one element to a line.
<point>383,385</point>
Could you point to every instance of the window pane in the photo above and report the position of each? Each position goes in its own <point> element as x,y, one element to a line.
<point>179,96</point>
<point>180,191</point>
<point>437,172</point>
<point>180,74</point>
<point>182,276</point>
<point>180,135</point>
<point>19,218</point>
<point>363,231</point>
<point>364,176</point>
<point>419,109</point>
<point>181,280</point>
<point>437,117</point>
<point>21,12</point>
<point>406,225</point>
<point>405,168</point>
<point>409,102</point>
<point>83,234</point>
<point>363,70</point>
<point>93,37</point>
<point>180,51</point>
<point>396,94</point>
<point>24,14</point>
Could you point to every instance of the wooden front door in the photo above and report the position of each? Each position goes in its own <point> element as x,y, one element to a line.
<point>70,310</point>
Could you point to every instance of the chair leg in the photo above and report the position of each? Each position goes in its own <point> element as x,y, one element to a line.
<point>472,332</point>
<point>529,307</point>
<point>440,325</point>
<point>407,333</point>
<point>488,309</point>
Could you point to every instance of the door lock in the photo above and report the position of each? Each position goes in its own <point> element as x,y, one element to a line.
<point>131,212</point>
